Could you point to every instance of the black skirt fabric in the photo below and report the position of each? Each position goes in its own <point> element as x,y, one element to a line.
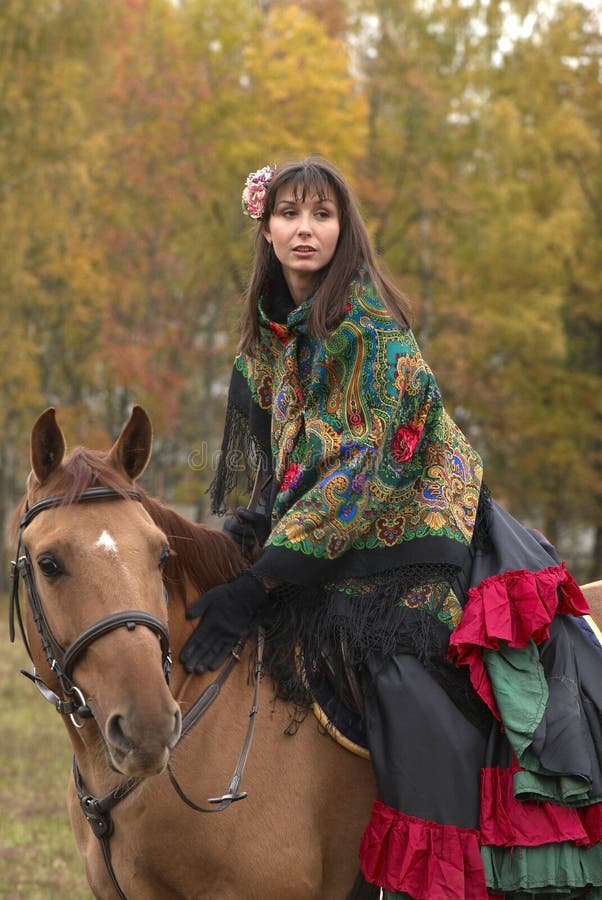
<point>508,804</point>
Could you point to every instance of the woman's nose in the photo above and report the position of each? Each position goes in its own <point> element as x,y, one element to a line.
<point>304,226</point>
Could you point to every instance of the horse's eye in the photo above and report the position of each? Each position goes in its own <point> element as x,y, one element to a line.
<point>49,566</point>
<point>165,554</point>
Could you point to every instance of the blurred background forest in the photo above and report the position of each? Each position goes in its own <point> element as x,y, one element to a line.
<point>471,130</point>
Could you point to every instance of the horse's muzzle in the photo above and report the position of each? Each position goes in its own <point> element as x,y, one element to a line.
<point>141,749</point>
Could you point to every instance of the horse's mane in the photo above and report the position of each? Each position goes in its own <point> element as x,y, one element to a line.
<point>82,469</point>
<point>204,556</point>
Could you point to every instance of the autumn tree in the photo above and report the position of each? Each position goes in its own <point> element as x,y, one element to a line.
<point>470,202</point>
<point>190,108</point>
<point>531,340</point>
<point>49,257</point>
<point>471,131</point>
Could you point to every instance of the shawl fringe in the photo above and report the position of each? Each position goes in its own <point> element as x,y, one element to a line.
<point>341,630</point>
<point>239,457</point>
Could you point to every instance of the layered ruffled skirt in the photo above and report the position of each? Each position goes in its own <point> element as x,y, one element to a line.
<point>512,809</point>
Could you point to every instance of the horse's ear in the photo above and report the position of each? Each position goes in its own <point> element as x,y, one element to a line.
<point>132,449</point>
<point>47,445</point>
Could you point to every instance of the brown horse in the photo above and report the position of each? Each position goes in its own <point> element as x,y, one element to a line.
<point>96,557</point>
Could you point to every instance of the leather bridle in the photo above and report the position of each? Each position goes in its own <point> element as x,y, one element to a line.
<point>62,661</point>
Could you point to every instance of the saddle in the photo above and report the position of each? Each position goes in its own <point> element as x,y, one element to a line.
<point>337,701</point>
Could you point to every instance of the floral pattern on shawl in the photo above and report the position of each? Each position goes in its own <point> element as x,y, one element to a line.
<point>359,417</point>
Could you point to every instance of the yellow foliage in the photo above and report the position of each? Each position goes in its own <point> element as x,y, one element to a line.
<point>128,130</point>
<point>303,98</point>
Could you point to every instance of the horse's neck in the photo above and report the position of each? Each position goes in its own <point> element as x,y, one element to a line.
<point>204,557</point>
<point>180,629</point>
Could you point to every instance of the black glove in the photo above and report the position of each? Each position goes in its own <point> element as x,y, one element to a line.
<point>227,611</point>
<point>249,529</point>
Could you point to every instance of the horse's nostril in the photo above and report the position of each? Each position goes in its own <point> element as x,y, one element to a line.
<point>177,728</point>
<point>115,733</point>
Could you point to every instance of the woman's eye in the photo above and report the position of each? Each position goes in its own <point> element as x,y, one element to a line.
<point>49,566</point>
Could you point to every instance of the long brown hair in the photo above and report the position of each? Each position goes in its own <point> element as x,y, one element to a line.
<point>316,176</point>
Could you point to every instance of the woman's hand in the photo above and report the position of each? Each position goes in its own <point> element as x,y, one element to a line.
<point>227,612</point>
<point>249,530</point>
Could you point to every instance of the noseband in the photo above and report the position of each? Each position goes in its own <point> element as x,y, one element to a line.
<point>60,660</point>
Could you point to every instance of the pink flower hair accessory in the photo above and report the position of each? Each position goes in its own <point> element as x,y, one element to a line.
<point>253,196</point>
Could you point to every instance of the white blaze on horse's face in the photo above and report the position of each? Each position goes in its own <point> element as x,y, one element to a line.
<point>107,542</point>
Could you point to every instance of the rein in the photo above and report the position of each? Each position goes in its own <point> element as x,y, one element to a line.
<point>62,662</point>
<point>200,708</point>
<point>98,810</point>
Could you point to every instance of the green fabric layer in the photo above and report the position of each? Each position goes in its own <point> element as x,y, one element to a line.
<point>592,893</point>
<point>552,870</point>
<point>520,689</point>
<point>521,693</point>
<point>566,790</point>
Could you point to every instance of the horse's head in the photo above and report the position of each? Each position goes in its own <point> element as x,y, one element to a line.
<point>97,621</point>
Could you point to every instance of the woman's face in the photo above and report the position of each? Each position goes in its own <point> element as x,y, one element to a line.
<point>304,234</point>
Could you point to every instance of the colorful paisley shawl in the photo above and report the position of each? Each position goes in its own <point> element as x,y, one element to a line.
<point>364,451</point>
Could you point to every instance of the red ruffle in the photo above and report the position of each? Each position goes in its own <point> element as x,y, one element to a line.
<point>514,607</point>
<point>591,819</point>
<point>425,859</point>
<point>507,822</point>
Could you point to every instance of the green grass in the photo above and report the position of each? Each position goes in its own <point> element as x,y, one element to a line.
<point>38,859</point>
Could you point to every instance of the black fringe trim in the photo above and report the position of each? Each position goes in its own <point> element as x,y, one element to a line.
<point>245,443</point>
<point>372,618</point>
<point>235,470</point>
<point>347,629</point>
<point>481,537</point>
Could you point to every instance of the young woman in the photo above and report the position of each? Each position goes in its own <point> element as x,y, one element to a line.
<point>483,695</point>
